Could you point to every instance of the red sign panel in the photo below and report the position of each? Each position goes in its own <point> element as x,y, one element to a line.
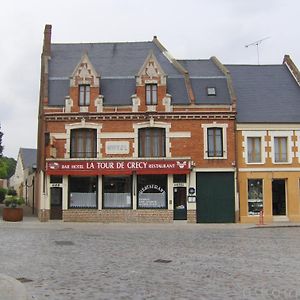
<point>111,167</point>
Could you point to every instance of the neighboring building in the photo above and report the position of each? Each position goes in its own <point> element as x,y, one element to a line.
<point>127,133</point>
<point>23,179</point>
<point>268,138</point>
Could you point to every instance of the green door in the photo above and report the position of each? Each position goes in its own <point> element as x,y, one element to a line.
<point>215,197</point>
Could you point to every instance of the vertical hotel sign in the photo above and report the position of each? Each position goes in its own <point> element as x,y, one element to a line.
<point>118,166</point>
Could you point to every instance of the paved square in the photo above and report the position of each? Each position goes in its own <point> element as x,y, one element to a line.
<point>63,261</point>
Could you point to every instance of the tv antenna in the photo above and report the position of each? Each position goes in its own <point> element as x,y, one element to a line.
<point>257,43</point>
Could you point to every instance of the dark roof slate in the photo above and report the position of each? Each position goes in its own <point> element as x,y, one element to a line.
<point>201,68</point>
<point>265,94</point>
<point>117,91</point>
<point>119,63</point>
<point>200,91</point>
<point>58,90</point>
<point>28,157</point>
<point>108,59</point>
<point>177,89</point>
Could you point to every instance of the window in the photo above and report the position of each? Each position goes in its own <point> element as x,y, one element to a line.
<point>151,94</point>
<point>255,196</point>
<point>211,91</point>
<point>83,143</point>
<point>152,191</point>
<point>179,178</point>
<point>56,179</point>
<point>117,192</point>
<point>84,95</point>
<point>152,142</point>
<point>281,149</point>
<point>83,192</point>
<point>254,149</point>
<point>215,142</point>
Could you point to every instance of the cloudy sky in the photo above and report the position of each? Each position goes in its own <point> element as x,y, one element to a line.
<point>190,29</point>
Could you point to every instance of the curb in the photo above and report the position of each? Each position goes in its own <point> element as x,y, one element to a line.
<point>11,289</point>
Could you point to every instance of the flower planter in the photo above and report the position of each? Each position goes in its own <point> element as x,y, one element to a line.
<point>12,214</point>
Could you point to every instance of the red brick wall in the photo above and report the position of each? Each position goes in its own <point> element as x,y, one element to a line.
<point>118,216</point>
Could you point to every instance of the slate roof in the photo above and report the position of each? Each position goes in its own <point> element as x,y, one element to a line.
<point>265,94</point>
<point>28,157</point>
<point>119,63</point>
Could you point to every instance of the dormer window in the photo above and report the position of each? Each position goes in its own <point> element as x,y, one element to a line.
<point>84,95</point>
<point>211,91</point>
<point>151,94</point>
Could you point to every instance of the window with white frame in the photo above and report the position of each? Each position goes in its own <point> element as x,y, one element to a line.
<point>151,94</point>
<point>215,141</point>
<point>280,151</point>
<point>84,95</point>
<point>83,143</point>
<point>254,145</point>
<point>281,146</point>
<point>254,149</point>
<point>152,142</point>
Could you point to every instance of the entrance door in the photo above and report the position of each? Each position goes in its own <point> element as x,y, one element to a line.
<point>215,197</point>
<point>56,203</point>
<point>278,197</point>
<point>180,210</point>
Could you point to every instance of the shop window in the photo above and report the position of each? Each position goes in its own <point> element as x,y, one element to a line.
<point>254,149</point>
<point>151,94</point>
<point>281,149</point>
<point>117,192</point>
<point>84,95</point>
<point>83,143</point>
<point>255,196</point>
<point>83,192</point>
<point>152,191</point>
<point>215,142</point>
<point>152,142</point>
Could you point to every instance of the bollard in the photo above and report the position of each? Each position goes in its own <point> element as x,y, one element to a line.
<point>261,218</point>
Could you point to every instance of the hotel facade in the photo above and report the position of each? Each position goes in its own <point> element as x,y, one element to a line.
<point>127,133</point>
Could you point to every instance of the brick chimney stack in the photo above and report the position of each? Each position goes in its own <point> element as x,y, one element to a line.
<point>47,40</point>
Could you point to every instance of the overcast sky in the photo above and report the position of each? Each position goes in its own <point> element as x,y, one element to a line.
<point>189,29</point>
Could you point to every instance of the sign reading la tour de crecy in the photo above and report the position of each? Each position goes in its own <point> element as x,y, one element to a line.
<point>109,167</point>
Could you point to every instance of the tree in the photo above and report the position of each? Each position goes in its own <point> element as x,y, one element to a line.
<point>1,147</point>
<point>7,167</point>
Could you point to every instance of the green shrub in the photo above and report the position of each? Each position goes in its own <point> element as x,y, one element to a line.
<point>3,192</point>
<point>13,201</point>
<point>11,192</point>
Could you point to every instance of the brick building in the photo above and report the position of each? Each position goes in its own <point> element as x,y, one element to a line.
<point>127,133</point>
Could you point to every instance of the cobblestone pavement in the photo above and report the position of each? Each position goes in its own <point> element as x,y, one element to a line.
<point>64,261</point>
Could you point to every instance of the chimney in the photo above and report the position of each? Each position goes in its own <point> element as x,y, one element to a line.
<point>47,40</point>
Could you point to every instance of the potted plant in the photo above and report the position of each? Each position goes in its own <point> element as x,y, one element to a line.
<point>12,211</point>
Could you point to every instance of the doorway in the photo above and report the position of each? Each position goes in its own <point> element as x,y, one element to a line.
<point>278,197</point>
<point>215,197</point>
<point>180,210</point>
<point>56,203</point>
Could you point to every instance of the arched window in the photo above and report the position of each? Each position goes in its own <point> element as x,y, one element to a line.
<point>83,143</point>
<point>152,142</point>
